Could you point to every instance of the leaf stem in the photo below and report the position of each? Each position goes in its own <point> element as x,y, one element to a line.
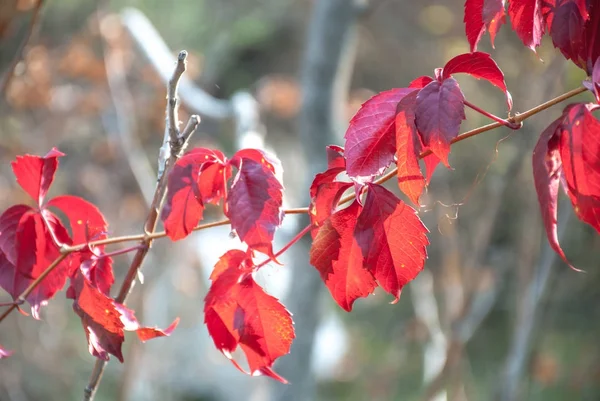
<point>287,246</point>
<point>509,124</point>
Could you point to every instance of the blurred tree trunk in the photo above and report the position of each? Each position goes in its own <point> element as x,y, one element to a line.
<point>325,75</point>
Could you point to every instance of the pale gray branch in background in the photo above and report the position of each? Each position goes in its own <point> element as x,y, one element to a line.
<point>325,75</point>
<point>519,351</point>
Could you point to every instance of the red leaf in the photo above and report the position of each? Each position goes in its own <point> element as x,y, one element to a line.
<point>100,319</point>
<point>214,174</point>
<point>482,14</point>
<point>580,155</point>
<point>9,222</point>
<point>337,256</point>
<point>408,148</point>
<point>566,24</point>
<point>35,174</point>
<point>36,250</point>
<point>87,224</point>
<point>439,112</point>
<point>335,157</point>
<point>4,353</point>
<point>420,82</point>
<point>326,191</point>
<point>431,161</point>
<point>148,333</point>
<point>527,20</point>
<point>86,221</point>
<point>370,138</point>
<point>233,257</point>
<point>392,238</point>
<point>239,313</point>
<point>255,199</point>
<point>547,171</point>
<point>183,207</point>
<point>481,66</point>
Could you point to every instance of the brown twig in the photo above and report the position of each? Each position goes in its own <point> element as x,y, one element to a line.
<point>176,140</point>
<point>7,77</point>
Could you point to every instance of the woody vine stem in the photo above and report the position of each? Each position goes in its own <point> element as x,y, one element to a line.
<point>174,144</point>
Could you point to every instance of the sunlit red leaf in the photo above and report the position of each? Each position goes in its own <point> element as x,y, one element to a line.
<point>481,66</point>
<point>580,155</point>
<point>35,174</point>
<point>370,138</point>
<point>439,113</point>
<point>337,256</point>
<point>420,82</point>
<point>214,174</point>
<point>36,250</point>
<point>392,238</point>
<point>148,333</point>
<point>100,319</point>
<point>481,15</point>
<point>86,221</point>
<point>238,312</point>
<point>326,191</point>
<point>184,207</point>
<point>527,21</point>
<point>408,148</point>
<point>335,157</point>
<point>233,257</point>
<point>255,199</point>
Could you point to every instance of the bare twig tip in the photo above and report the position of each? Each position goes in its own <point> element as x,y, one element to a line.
<point>182,55</point>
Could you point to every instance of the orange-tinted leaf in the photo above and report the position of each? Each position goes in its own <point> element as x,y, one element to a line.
<point>255,199</point>
<point>337,256</point>
<point>392,238</point>
<point>35,174</point>
<point>408,148</point>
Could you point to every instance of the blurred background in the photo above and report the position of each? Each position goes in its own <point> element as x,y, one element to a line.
<point>494,316</point>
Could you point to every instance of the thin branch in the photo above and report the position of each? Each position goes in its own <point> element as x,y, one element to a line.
<point>155,208</point>
<point>8,75</point>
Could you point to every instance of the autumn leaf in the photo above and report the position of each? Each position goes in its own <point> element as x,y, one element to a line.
<point>481,66</point>
<point>392,238</point>
<point>527,21</point>
<point>35,174</point>
<point>481,15</point>
<point>255,198</point>
<point>561,156</point>
<point>408,149</point>
<point>370,138</point>
<point>105,321</point>
<point>439,113</point>
<point>336,254</point>
<point>238,312</point>
<point>580,155</point>
<point>565,21</point>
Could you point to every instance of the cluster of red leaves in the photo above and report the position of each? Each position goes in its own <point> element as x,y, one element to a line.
<point>568,151</point>
<point>237,311</point>
<point>33,238</point>
<point>573,25</point>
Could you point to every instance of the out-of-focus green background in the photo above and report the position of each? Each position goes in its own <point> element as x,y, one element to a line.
<point>507,319</point>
